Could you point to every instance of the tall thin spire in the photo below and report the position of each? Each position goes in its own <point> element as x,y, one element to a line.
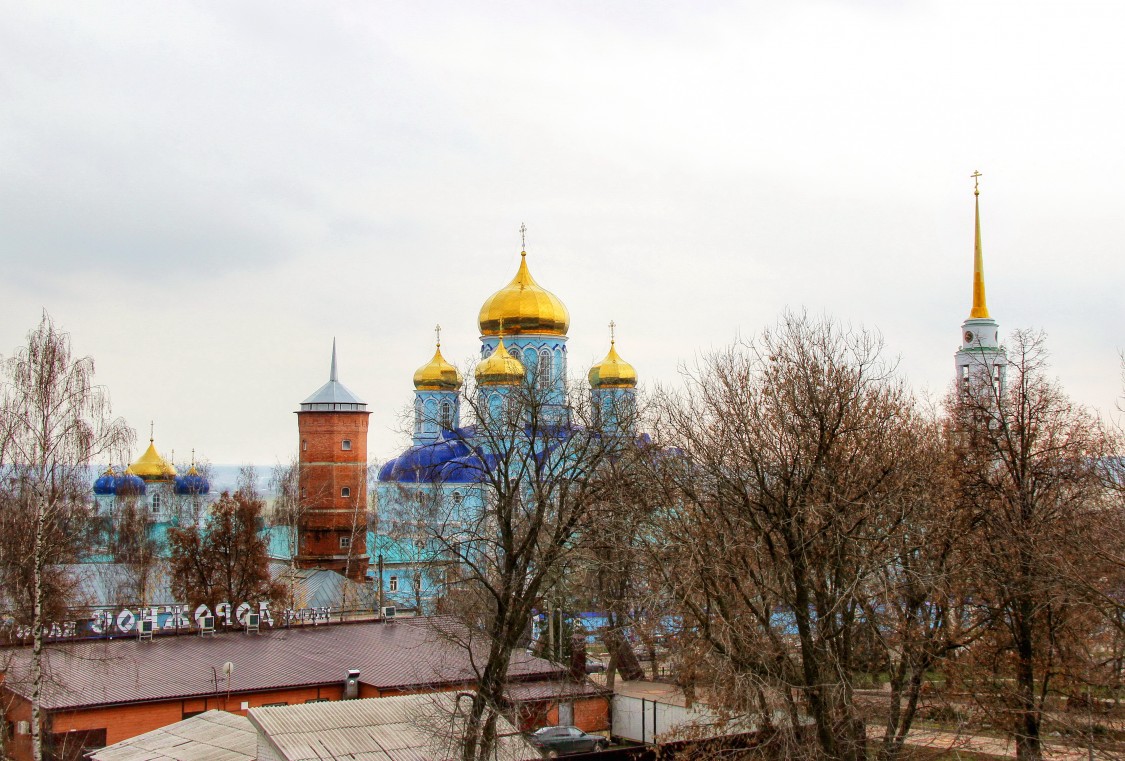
<point>980,305</point>
<point>332,375</point>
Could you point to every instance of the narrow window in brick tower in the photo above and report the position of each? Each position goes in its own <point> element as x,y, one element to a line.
<point>346,444</point>
<point>345,542</point>
<point>346,492</point>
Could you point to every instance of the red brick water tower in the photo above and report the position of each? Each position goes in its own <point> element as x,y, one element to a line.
<point>332,531</point>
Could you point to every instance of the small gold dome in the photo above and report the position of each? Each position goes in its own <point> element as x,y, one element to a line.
<point>437,375</point>
<point>523,306</point>
<point>151,466</point>
<point>613,371</point>
<point>500,368</point>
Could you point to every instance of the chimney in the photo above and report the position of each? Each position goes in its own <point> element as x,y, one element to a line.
<point>351,685</point>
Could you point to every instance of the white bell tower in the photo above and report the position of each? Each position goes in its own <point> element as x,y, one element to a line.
<point>981,359</point>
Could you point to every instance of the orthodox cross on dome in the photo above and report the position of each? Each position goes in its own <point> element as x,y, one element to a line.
<point>437,334</point>
<point>193,457</point>
<point>976,175</point>
<point>612,331</point>
<point>151,427</point>
<point>523,236</point>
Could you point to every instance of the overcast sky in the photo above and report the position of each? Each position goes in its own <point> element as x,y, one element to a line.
<point>204,194</point>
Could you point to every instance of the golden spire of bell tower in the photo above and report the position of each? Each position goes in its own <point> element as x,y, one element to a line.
<point>980,305</point>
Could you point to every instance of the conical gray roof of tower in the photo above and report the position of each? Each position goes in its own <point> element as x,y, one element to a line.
<point>333,395</point>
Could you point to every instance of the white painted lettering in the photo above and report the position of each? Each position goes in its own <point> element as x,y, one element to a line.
<point>223,611</point>
<point>200,612</point>
<point>126,620</point>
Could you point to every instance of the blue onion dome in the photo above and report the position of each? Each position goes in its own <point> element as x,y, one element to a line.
<point>428,462</point>
<point>106,483</point>
<point>192,483</point>
<point>129,484</point>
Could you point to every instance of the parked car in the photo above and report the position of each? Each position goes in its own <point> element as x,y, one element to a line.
<point>562,741</point>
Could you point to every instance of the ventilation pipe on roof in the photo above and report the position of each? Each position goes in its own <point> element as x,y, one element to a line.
<point>351,685</point>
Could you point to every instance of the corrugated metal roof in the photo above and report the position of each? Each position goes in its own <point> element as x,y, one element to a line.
<point>407,653</point>
<point>214,736</point>
<point>404,728</point>
<point>111,585</point>
<point>319,588</point>
<point>558,689</point>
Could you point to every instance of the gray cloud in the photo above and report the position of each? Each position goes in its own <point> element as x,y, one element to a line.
<point>206,193</point>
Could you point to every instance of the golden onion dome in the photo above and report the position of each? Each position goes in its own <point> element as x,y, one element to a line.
<point>151,466</point>
<point>613,371</point>
<point>523,306</point>
<point>437,375</point>
<point>500,368</point>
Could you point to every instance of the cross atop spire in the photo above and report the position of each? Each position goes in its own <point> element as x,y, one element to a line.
<point>976,175</point>
<point>612,332</point>
<point>437,334</point>
<point>523,237</point>
<point>151,428</point>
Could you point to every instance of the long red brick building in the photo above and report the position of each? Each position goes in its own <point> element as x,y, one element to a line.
<point>102,692</point>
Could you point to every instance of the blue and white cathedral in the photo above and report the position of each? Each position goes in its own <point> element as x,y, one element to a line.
<point>523,336</point>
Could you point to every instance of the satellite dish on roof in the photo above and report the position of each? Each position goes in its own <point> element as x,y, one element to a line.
<point>228,667</point>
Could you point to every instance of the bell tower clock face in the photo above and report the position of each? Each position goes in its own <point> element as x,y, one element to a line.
<point>968,336</point>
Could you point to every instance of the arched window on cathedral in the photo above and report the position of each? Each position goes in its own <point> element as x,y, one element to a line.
<point>429,418</point>
<point>447,415</point>
<point>156,503</point>
<point>543,373</point>
<point>530,362</point>
<point>495,408</point>
<point>417,416</point>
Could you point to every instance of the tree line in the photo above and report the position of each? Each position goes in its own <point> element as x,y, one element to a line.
<point>786,528</point>
<point>794,527</point>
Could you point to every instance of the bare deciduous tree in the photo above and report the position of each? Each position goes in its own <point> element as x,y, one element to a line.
<point>53,423</point>
<point>785,485</point>
<point>225,560</point>
<point>1032,470</point>
<point>540,466</point>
